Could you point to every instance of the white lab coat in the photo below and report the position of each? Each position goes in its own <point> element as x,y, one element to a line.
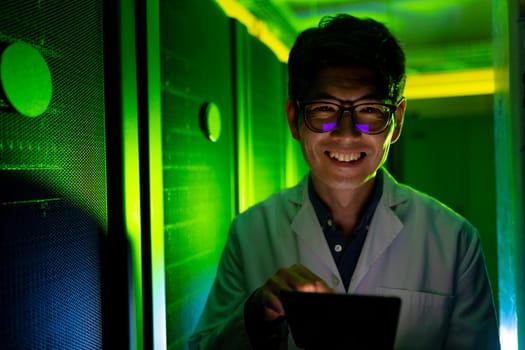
<point>416,248</point>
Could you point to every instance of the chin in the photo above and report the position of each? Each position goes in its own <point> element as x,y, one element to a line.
<point>345,184</point>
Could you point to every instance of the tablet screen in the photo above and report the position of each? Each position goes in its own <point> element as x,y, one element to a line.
<point>341,321</point>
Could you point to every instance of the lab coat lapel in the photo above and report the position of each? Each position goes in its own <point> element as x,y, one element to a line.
<point>313,246</point>
<point>384,228</point>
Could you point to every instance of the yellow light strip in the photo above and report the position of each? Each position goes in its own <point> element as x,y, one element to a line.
<point>419,86</point>
<point>449,84</point>
<point>255,27</point>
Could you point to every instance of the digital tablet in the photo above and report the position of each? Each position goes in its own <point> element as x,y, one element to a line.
<point>341,321</point>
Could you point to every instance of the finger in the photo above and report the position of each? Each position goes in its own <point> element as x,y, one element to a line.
<point>275,307</point>
<point>322,287</point>
<point>307,281</point>
<point>270,303</point>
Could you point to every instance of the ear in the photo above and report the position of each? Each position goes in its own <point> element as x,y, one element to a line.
<point>400,117</point>
<point>292,115</point>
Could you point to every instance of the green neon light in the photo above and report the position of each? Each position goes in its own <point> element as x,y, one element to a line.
<point>156,174</point>
<point>244,122</point>
<point>131,169</point>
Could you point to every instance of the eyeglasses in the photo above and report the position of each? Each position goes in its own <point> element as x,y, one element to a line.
<point>368,118</point>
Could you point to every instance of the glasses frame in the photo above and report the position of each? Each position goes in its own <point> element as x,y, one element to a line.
<point>392,108</point>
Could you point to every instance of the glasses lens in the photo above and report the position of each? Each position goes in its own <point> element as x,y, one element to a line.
<point>371,118</point>
<point>321,116</point>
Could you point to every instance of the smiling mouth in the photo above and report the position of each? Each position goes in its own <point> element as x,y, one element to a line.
<point>346,157</point>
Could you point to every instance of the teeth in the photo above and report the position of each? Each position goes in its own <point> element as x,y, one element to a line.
<point>345,157</point>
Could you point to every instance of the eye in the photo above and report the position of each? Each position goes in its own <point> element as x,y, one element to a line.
<point>322,108</point>
<point>371,109</point>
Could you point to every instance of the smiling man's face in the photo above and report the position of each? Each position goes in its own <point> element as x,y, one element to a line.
<point>344,158</point>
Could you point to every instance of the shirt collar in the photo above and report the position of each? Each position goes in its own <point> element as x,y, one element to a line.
<point>323,212</point>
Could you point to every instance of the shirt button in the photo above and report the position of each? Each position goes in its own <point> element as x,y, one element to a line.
<point>338,248</point>
<point>329,222</point>
<point>335,280</point>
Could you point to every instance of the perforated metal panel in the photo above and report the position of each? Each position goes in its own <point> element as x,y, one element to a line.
<point>64,147</point>
<point>53,208</point>
<point>50,276</point>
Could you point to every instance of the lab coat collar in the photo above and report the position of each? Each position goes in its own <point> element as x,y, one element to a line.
<point>384,227</point>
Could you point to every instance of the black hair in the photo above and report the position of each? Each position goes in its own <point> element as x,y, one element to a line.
<point>346,41</point>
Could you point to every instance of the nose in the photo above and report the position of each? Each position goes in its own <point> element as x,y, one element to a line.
<point>346,125</point>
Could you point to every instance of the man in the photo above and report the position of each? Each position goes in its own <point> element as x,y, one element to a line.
<point>349,227</point>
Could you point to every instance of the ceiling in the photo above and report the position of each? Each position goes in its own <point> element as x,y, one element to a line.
<point>437,35</point>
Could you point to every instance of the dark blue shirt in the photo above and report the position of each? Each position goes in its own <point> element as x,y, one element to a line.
<point>345,251</point>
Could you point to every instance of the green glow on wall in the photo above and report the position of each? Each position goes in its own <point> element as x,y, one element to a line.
<point>296,166</point>
<point>268,157</point>
<point>198,175</point>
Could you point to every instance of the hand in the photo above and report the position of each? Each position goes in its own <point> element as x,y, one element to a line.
<point>295,278</point>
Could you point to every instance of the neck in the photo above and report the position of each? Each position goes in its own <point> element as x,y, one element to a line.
<point>346,205</point>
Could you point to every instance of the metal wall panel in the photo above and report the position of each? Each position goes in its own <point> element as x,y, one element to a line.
<point>199,177</point>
